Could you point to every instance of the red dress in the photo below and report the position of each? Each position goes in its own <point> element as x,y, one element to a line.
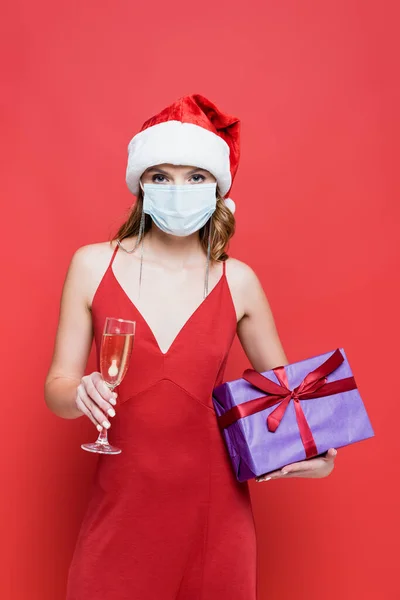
<point>167,520</point>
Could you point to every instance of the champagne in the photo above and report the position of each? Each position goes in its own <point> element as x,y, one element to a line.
<point>116,350</point>
<point>115,356</point>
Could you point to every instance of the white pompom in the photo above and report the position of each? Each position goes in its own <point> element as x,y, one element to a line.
<point>229,203</point>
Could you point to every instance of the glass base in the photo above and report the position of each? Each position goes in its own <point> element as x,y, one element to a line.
<point>101,448</point>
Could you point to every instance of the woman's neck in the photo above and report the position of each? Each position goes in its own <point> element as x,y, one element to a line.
<point>173,251</point>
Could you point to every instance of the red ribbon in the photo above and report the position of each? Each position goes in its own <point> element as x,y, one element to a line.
<point>314,385</point>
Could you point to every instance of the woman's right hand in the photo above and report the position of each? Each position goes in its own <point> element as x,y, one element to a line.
<point>95,400</point>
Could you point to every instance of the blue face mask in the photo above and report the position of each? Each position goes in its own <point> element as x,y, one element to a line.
<point>180,209</point>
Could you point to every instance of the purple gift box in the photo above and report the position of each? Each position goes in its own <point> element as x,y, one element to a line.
<point>290,413</point>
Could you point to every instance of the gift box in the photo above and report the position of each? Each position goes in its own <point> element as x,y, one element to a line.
<point>291,413</point>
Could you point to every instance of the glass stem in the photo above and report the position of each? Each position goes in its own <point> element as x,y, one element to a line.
<point>102,439</point>
<point>103,436</point>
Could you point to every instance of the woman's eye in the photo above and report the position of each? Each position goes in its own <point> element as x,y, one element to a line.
<point>198,178</point>
<point>158,178</point>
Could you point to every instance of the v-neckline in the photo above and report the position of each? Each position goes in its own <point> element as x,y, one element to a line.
<point>186,323</point>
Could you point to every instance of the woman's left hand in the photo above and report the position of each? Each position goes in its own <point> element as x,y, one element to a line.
<point>321,466</point>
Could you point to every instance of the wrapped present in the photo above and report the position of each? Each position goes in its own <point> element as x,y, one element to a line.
<point>290,413</point>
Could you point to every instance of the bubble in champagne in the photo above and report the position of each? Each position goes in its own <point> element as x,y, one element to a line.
<point>113,369</point>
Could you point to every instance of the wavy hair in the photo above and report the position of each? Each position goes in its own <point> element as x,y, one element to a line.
<point>223,227</point>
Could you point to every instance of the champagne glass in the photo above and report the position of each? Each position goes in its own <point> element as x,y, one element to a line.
<point>115,354</point>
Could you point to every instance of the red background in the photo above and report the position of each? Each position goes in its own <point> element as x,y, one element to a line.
<point>316,86</point>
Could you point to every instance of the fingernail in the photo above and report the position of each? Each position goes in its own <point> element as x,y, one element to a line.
<point>106,424</point>
<point>284,472</point>
<point>99,427</point>
<point>111,412</point>
<point>113,401</point>
<point>264,479</point>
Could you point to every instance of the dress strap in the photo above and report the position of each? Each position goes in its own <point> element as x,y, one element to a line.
<point>113,255</point>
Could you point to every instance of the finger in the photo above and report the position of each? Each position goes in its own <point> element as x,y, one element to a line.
<point>270,475</point>
<point>331,454</point>
<point>264,477</point>
<point>93,408</point>
<point>103,388</point>
<point>84,409</point>
<point>311,464</point>
<point>95,395</point>
<point>302,466</point>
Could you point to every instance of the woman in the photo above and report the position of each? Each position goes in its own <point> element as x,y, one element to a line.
<point>167,519</point>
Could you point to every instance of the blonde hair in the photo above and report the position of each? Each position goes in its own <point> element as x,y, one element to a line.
<point>223,227</point>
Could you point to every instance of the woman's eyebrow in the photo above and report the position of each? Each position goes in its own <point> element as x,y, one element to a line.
<point>195,171</point>
<point>155,170</point>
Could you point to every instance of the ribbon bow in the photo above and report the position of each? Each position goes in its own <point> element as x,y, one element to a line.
<point>314,385</point>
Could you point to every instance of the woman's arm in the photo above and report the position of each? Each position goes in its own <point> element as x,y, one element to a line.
<point>259,338</point>
<point>73,340</point>
<point>256,328</point>
<point>68,392</point>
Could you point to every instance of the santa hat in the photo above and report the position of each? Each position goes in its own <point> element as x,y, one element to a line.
<point>192,131</point>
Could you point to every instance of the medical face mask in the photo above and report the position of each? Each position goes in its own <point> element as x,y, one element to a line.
<point>180,209</point>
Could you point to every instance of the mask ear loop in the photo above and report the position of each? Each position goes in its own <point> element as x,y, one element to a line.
<point>139,240</point>
<point>140,234</point>
<point>208,259</point>
<point>141,227</point>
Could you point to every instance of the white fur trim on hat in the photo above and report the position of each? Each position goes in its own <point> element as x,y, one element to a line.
<point>229,203</point>
<point>178,143</point>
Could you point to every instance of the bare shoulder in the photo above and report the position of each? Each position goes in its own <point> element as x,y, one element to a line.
<point>91,254</point>
<point>244,285</point>
<point>88,265</point>
<point>240,274</point>
<point>256,327</point>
